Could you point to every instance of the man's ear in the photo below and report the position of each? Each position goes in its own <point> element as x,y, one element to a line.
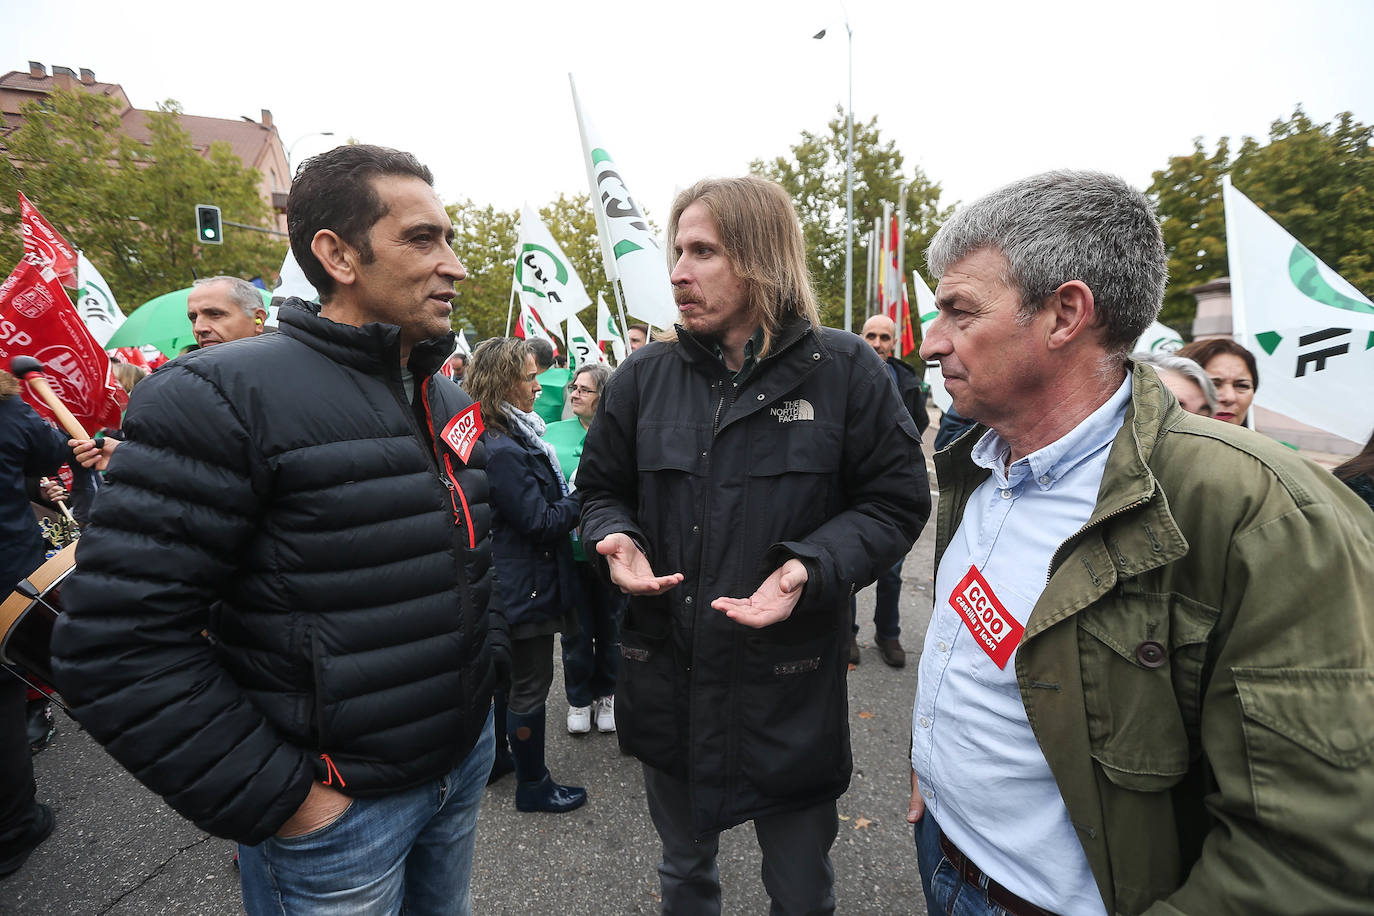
<point>1073,312</point>
<point>337,257</point>
<point>259,318</point>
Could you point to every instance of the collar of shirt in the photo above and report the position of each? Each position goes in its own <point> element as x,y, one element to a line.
<point>1052,462</point>
<point>746,368</point>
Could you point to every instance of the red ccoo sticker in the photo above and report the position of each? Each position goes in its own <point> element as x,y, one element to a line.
<point>997,631</point>
<point>463,431</point>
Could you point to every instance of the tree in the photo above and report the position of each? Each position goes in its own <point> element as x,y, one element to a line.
<point>1315,180</point>
<point>130,206</point>
<point>814,174</point>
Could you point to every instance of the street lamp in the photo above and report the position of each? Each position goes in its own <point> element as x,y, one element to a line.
<point>289,149</point>
<point>848,185</point>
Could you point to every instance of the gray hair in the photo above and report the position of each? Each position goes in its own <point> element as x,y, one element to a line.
<point>242,293</point>
<point>1068,225</point>
<point>1183,366</point>
<point>599,373</point>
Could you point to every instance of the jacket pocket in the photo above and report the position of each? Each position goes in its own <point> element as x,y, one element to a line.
<point>794,736</point>
<point>649,719</point>
<point>1143,658</point>
<point>1309,739</point>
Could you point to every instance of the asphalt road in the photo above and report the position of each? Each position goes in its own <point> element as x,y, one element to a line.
<point>118,850</point>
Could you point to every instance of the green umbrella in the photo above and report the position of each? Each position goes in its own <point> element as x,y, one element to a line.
<point>162,322</point>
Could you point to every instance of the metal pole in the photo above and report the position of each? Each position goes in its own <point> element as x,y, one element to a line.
<point>849,194</point>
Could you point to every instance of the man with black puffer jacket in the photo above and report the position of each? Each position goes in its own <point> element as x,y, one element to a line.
<point>744,474</point>
<point>279,618</point>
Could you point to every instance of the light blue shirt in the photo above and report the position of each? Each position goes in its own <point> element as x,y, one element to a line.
<point>981,771</point>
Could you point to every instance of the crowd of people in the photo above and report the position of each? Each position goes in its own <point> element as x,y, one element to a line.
<point>321,572</point>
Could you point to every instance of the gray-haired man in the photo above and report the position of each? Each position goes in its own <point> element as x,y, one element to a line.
<point>1148,678</point>
<point>222,309</point>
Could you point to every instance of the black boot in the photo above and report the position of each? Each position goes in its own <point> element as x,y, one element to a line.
<point>537,791</point>
<point>503,763</point>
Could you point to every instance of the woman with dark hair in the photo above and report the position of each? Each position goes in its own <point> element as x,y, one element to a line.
<point>533,513</point>
<point>1358,473</point>
<point>1232,370</point>
<point>590,654</point>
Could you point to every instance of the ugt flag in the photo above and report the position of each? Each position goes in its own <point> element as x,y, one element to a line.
<point>37,319</point>
<point>44,246</point>
<point>1311,331</point>
<point>607,331</point>
<point>582,349</point>
<point>544,277</point>
<point>629,250</point>
<point>95,302</point>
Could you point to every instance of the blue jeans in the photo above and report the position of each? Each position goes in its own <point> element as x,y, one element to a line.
<point>591,655</point>
<point>411,849</point>
<point>946,892</point>
<point>887,617</point>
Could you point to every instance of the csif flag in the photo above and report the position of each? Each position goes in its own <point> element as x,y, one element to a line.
<point>582,348</point>
<point>629,251</point>
<point>1311,330</point>
<point>607,331</point>
<point>44,246</point>
<point>544,277</point>
<point>37,319</point>
<point>95,302</point>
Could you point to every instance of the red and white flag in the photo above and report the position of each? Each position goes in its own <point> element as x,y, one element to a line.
<point>893,290</point>
<point>44,246</point>
<point>528,326</point>
<point>37,319</point>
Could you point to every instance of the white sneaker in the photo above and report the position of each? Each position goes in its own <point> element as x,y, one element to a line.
<point>605,714</point>
<point>579,720</point>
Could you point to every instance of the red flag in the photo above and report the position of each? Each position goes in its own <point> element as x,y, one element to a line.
<point>44,246</point>
<point>896,305</point>
<point>134,357</point>
<point>37,319</point>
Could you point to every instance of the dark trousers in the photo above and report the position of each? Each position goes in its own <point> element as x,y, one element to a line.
<point>591,655</point>
<point>18,812</point>
<point>797,872</point>
<point>531,674</point>
<point>887,617</point>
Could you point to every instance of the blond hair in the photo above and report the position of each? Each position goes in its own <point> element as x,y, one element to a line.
<point>762,239</point>
<point>498,365</point>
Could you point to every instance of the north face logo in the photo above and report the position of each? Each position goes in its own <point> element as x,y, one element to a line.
<point>799,409</point>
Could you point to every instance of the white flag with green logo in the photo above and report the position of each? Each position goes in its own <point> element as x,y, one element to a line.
<point>607,331</point>
<point>629,250</point>
<point>1158,338</point>
<point>925,308</point>
<point>1311,331</point>
<point>95,302</point>
<point>544,277</point>
<point>582,348</point>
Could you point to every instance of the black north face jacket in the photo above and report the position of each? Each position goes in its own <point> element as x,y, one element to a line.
<point>279,495</point>
<point>813,457</point>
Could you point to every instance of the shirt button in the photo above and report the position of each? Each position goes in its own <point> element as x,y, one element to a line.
<point>703,454</point>
<point>696,528</point>
<point>1006,494</point>
<point>760,397</point>
<point>925,790</point>
<point>925,723</point>
<point>688,599</point>
<point>1045,480</point>
<point>942,646</point>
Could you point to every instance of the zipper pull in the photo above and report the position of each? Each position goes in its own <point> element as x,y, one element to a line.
<point>331,771</point>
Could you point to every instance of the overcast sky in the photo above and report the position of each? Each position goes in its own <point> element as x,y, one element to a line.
<point>975,93</point>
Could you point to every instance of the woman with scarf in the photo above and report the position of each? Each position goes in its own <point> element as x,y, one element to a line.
<point>533,513</point>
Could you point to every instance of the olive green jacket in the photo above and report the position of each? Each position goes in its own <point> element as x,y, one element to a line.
<point>1199,671</point>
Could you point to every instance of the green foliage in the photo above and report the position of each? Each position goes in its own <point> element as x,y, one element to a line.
<point>129,205</point>
<point>814,174</point>
<point>1315,180</point>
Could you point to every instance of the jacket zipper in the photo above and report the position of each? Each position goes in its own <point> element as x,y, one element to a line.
<point>1054,559</point>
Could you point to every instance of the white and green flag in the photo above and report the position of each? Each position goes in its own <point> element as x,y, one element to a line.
<point>925,308</point>
<point>529,327</point>
<point>1158,338</point>
<point>607,331</point>
<point>544,277</point>
<point>95,302</point>
<point>1311,331</point>
<point>629,251</point>
<point>582,348</point>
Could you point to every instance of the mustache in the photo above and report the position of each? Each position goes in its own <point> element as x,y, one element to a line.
<point>683,297</point>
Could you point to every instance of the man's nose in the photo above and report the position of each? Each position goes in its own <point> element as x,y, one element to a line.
<point>934,341</point>
<point>453,268</point>
<point>679,272</point>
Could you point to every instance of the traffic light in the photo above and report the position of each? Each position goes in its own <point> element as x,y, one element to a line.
<point>208,224</point>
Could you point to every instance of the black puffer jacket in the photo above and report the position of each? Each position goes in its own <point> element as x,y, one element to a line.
<point>814,457</point>
<point>912,394</point>
<point>280,492</point>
